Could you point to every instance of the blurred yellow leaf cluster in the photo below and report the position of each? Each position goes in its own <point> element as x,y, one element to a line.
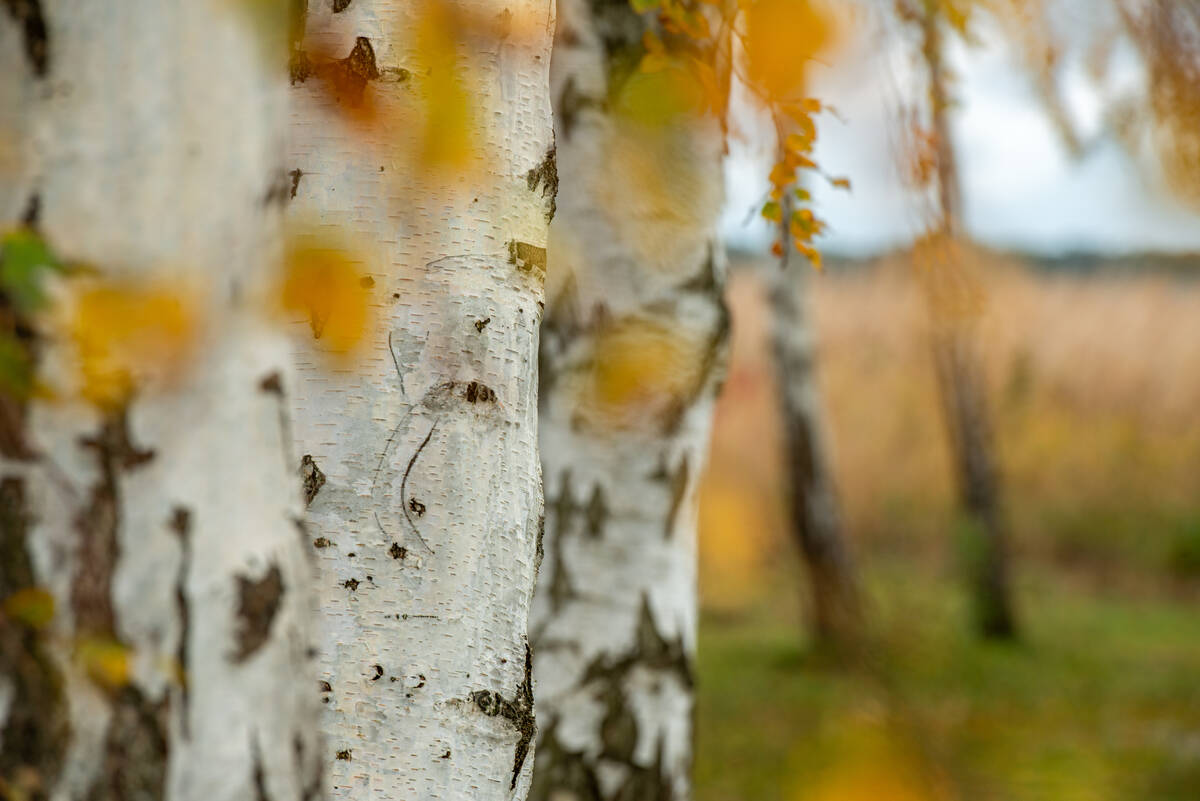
<point>781,38</point>
<point>105,660</point>
<point>128,335</point>
<point>32,607</point>
<point>641,371</point>
<point>448,114</point>
<point>324,284</point>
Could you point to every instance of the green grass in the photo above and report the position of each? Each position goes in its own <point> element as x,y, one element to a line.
<point>1099,701</point>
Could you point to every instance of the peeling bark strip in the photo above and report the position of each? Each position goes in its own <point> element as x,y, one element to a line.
<point>527,257</point>
<point>258,602</point>
<point>34,736</point>
<point>28,14</point>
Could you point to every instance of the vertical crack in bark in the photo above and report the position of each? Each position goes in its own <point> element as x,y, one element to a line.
<point>181,524</point>
<point>28,15</point>
<point>258,602</point>
<point>404,505</point>
<point>518,712</point>
<point>35,730</point>
<point>259,775</point>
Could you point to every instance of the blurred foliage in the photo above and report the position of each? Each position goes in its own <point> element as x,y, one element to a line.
<point>1096,381</point>
<point>32,607</point>
<point>105,660</point>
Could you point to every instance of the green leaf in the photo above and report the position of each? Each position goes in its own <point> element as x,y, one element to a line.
<point>772,211</point>
<point>16,368</point>
<point>24,257</point>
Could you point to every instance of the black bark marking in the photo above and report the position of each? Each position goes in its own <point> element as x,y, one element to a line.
<point>559,771</point>
<point>325,686</point>
<point>518,711</point>
<point>258,603</point>
<point>479,393</point>
<point>482,324</point>
<point>98,523</point>
<point>353,72</point>
<point>321,542</point>
<point>260,775</point>
<point>399,374</point>
<point>378,672</point>
<point>272,383</point>
<point>527,257</point>
<point>313,479</point>
<point>397,551</point>
<point>279,191</point>
<point>28,15</point>
<point>416,507</point>
<point>295,175</point>
<point>181,524</point>
<point>596,513</point>
<point>311,791</point>
<point>340,5</point>
<point>351,584</point>
<point>404,489</point>
<point>545,175</point>
<point>570,102</point>
<point>134,764</point>
<point>679,487</point>
<point>345,755</point>
<point>32,212</point>
<point>35,730</point>
<point>705,280</point>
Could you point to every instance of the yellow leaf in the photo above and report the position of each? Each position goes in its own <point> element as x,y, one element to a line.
<point>32,607</point>
<point>127,336</point>
<point>105,660</point>
<point>641,369</point>
<point>781,38</point>
<point>325,285</point>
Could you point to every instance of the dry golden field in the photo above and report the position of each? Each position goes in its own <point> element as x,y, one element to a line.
<point>1095,392</point>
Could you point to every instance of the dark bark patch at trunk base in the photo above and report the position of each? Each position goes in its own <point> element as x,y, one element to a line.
<point>258,602</point>
<point>35,730</point>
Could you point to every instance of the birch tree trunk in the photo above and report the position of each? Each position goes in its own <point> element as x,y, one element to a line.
<point>165,527</point>
<point>632,349</point>
<point>960,381</point>
<point>421,459</point>
<point>813,510</point>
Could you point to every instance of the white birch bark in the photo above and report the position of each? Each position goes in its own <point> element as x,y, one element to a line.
<point>167,529</point>
<point>422,459</point>
<point>616,610</point>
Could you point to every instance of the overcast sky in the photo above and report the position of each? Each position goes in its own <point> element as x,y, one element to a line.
<point>1021,189</point>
